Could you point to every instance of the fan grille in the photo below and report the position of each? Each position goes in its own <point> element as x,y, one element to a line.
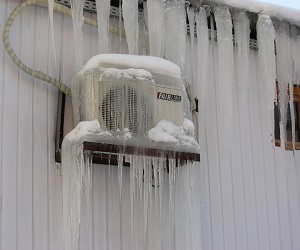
<point>126,105</point>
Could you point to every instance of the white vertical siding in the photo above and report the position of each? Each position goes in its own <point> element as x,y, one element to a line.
<point>254,203</point>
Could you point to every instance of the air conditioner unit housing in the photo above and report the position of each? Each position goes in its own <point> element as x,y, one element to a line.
<point>126,92</point>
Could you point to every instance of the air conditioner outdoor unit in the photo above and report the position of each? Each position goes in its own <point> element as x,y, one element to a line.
<point>128,92</point>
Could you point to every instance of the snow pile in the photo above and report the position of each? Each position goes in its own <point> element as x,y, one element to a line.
<point>81,130</point>
<point>140,74</point>
<point>166,132</point>
<point>149,63</point>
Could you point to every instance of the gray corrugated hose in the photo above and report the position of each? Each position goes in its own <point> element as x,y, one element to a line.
<point>39,74</point>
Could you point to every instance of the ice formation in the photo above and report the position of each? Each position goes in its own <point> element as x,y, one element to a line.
<point>50,9</point>
<point>131,18</point>
<point>155,12</point>
<point>78,19</point>
<point>191,17</point>
<point>175,30</point>
<point>242,37</point>
<point>200,89</point>
<point>266,56</point>
<point>259,6</point>
<point>225,81</point>
<point>284,75</point>
<point>295,51</point>
<point>103,13</point>
<point>148,190</point>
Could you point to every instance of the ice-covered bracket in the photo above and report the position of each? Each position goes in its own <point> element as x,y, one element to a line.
<point>139,100</point>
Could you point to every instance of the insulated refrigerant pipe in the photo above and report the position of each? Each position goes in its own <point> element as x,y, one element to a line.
<point>39,74</point>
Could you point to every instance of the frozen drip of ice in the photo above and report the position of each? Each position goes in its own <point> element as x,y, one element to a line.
<point>155,11</point>
<point>103,12</point>
<point>175,30</point>
<point>76,169</point>
<point>50,9</point>
<point>160,189</point>
<point>295,51</point>
<point>242,36</point>
<point>191,17</point>
<point>284,76</point>
<point>200,88</point>
<point>131,23</point>
<point>266,56</point>
<point>78,19</point>
<point>225,80</point>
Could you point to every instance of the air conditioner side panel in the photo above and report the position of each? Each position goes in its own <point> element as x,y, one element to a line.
<point>169,105</point>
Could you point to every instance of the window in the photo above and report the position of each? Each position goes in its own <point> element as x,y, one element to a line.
<point>289,143</point>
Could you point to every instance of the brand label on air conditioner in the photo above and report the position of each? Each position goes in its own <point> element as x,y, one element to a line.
<point>168,97</point>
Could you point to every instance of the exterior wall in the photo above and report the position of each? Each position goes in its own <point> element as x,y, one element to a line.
<point>254,203</point>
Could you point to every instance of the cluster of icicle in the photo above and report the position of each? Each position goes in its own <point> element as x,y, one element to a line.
<point>284,66</point>
<point>163,197</point>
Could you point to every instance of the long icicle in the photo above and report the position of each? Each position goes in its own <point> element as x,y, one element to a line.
<point>131,16</point>
<point>155,28</point>
<point>103,12</point>
<point>284,75</point>
<point>50,10</point>
<point>225,81</point>
<point>78,20</point>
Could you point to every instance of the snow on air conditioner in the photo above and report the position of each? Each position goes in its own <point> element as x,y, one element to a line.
<point>134,98</point>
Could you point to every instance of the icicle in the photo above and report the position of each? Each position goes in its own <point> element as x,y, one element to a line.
<point>242,36</point>
<point>225,81</point>
<point>284,75</point>
<point>50,9</point>
<point>175,30</point>
<point>103,12</point>
<point>266,55</point>
<point>295,51</point>
<point>72,160</point>
<point>191,17</point>
<point>202,44</point>
<point>86,201</point>
<point>155,28</point>
<point>78,19</point>
<point>131,23</point>
<point>267,65</point>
